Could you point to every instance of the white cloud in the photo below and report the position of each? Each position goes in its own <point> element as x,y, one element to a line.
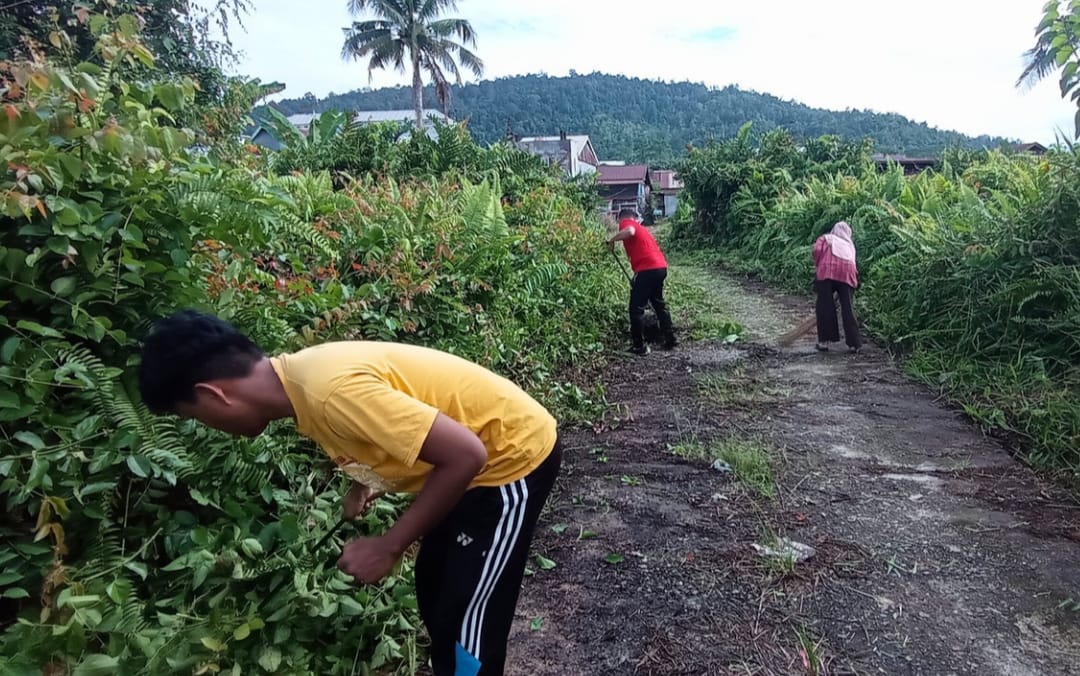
<point>950,63</point>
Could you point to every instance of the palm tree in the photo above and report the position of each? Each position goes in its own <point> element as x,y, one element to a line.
<point>411,32</point>
<point>1057,46</point>
<point>1041,60</point>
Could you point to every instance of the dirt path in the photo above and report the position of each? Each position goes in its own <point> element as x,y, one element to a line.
<point>936,552</point>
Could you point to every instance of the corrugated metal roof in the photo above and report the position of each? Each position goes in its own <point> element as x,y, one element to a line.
<point>396,115</point>
<point>631,173</point>
<point>305,119</point>
<point>577,138</point>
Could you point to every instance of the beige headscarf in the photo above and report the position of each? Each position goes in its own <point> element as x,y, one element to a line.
<point>840,243</point>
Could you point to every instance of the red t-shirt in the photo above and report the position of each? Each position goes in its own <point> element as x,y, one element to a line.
<point>642,250</point>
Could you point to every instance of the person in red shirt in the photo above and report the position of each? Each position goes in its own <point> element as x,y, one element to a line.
<point>837,274</point>
<point>650,270</point>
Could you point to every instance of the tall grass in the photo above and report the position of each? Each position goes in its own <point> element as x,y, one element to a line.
<point>972,271</point>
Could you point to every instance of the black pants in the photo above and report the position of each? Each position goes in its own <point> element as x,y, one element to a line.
<point>648,289</point>
<point>827,329</point>
<point>469,571</point>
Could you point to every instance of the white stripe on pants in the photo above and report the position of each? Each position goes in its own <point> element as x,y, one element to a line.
<point>515,500</point>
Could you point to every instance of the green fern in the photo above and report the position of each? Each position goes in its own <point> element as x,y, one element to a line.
<point>158,437</point>
<point>542,278</point>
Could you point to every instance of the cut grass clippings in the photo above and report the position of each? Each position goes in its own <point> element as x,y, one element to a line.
<point>751,460</point>
<point>697,307</point>
<point>736,387</point>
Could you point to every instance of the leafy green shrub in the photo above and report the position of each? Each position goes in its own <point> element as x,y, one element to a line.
<point>347,148</point>
<point>734,182</point>
<point>972,271</point>
<point>135,544</point>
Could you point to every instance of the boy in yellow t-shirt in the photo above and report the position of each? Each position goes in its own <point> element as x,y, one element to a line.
<point>480,453</point>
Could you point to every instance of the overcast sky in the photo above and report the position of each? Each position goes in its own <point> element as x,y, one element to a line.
<point>949,63</point>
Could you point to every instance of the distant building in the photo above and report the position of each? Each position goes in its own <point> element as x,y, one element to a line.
<point>911,165</point>
<point>624,185</point>
<point>667,186</point>
<point>1037,149</point>
<point>261,135</point>
<point>574,153</point>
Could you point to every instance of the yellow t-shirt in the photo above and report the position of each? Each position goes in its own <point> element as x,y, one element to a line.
<point>371,405</point>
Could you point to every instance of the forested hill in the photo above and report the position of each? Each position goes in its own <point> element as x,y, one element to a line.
<point>634,119</point>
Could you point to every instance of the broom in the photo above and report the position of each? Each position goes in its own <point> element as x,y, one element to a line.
<point>801,329</point>
<point>804,327</point>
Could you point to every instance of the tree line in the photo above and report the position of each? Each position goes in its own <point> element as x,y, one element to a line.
<point>642,120</point>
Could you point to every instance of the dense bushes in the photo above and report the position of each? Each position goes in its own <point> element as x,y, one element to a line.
<point>347,148</point>
<point>974,271</point>
<point>142,545</point>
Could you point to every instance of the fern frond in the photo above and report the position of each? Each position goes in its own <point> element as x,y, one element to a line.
<point>540,279</point>
<point>289,226</point>
<point>331,321</point>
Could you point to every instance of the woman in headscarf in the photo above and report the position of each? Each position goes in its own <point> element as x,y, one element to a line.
<point>837,274</point>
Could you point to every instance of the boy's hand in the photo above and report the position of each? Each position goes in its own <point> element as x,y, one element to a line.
<point>456,455</point>
<point>368,560</point>
<point>358,500</point>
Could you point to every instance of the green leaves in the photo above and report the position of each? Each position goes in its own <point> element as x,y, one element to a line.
<point>119,591</point>
<point>140,466</point>
<point>252,547</point>
<point>38,329</point>
<point>270,659</point>
<point>193,549</point>
<point>545,563</point>
<point>213,644</point>
<point>585,534</point>
<point>1056,47</point>
<point>96,665</point>
<point>63,286</point>
<point>8,349</point>
<point>30,439</point>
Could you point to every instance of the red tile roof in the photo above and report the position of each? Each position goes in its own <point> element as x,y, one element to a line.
<point>631,173</point>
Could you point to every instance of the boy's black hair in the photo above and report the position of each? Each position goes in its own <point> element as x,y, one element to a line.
<point>627,212</point>
<point>187,348</point>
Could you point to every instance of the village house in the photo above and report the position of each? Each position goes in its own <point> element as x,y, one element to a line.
<point>1036,149</point>
<point>574,153</point>
<point>915,165</point>
<point>624,185</point>
<point>666,186</point>
<point>910,165</point>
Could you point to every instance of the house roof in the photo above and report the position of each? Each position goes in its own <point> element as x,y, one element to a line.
<point>552,150</point>
<point>630,173</point>
<point>575,153</point>
<point>577,144</point>
<point>397,115</point>
<point>904,159</point>
<point>1027,147</point>
<point>576,138</point>
<point>666,179</point>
